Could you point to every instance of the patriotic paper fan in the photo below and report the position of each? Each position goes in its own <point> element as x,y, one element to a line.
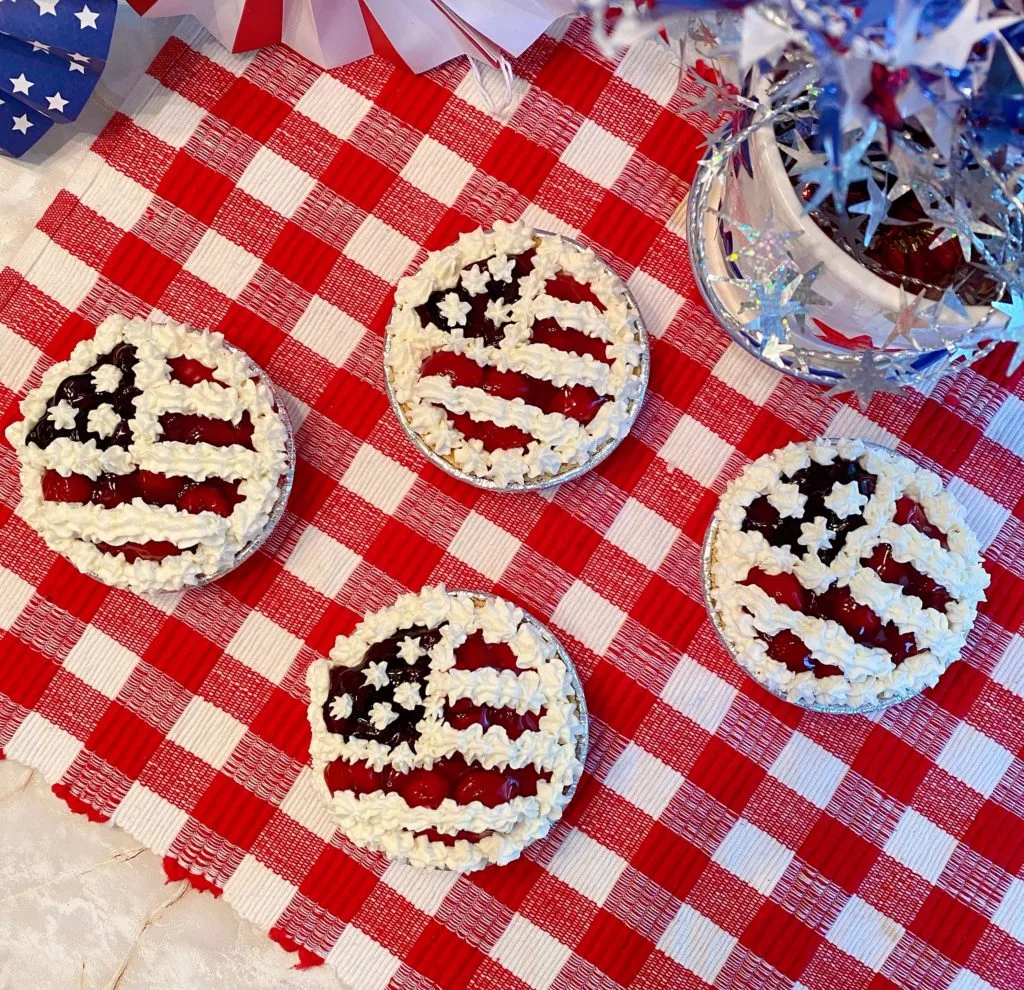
<point>51,55</point>
<point>420,33</point>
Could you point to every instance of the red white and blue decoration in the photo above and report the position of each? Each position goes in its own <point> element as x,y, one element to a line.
<point>52,53</point>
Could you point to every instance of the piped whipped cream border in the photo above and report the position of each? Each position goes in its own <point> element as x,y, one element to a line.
<point>869,676</point>
<point>384,821</point>
<point>73,530</point>
<point>560,443</point>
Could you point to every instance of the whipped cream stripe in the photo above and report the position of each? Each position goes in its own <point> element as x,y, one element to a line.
<point>211,542</point>
<point>423,403</point>
<point>869,675</point>
<point>384,820</point>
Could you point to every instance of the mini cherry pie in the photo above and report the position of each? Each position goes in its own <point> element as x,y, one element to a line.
<point>842,574</point>
<point>515,356</point>
<point>153,456</point>
<point>448,730</point>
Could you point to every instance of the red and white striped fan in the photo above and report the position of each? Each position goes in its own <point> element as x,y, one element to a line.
<point>420,33</point>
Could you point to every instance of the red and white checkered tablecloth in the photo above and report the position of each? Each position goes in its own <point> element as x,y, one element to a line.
<point>719,837</point>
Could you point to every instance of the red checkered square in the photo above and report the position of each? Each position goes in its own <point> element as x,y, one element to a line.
<point>25,672</point>
<point>182,652</point>
<point>892,765</point>
<point>781,940</point>
<point>952,927</point>
<point>303,258</point>
<point>849,869</point>
<point>573,78</point>
<point>939,433</point>
<point>622,230</point>
<point>194,187</point>
<point>124,740</point>
<point>140,269</point>
<point>233,811</point>
<point>519,162</point>
<point>726,775</point>
<point>251,109</point>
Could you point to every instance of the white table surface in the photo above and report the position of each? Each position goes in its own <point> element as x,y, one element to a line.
<point>82,905</point>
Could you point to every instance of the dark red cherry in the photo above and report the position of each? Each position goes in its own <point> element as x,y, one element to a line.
<point>364,779</point>
<point>189,371</point>
<point>457,368</point>
<point>506,384</point>
<point>112,490</point>
<point>579,402</point>
<point>858,620</point>
<point>77,390</point>
<point>552,333</point>
<point>564,286</point>
<point>783,588</point>
<point>424,788</point>
<point>160,489</point>
<point>790,650</point>
<point>73,488</point>
<point>489,787</point>
<point>204,497</point>
<point>338,776</point>
<point>152,550</point>
<point>463,713</point>
<point>476,652</point>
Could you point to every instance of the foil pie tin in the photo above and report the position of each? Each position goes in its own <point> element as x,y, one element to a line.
<point>643,374</point>
<point>707,559</point>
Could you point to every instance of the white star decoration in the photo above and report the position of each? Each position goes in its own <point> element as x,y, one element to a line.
<point>20,84</point>
<point>47,7</point>
<point>408,695</point>
<point>376,673</point>
<point>474,281</point>
<point>815,535</point>
<point>500,266</point>
<point>382,715</point>
<point>845,500</point>
<point>22,124</point>
<point>453,310</point>
<point>787,499</point>
<point>58,103</point>
<point>75,57</point>
<point>76,67</point>
<point>107,376</point>
<point>497,312</point>
<point>38,46</point>
<point>87,18</point>
<point>410,650</point>
<point>62,415</point>
<point>103,420</point>
<point>341,706</point>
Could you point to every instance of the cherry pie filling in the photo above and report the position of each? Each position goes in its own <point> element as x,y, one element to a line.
<point>860,622</point>
<point>111,490</point>
<point>449,777</point>
<point>579,402</point>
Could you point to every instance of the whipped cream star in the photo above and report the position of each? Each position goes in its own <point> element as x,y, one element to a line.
<point>474,280</point>
<point>408,695</point>
<point>103,420</point>
<point>410,650</point>
<point>815,535</point>
<point>498,312</point>
<point>62,415</point>
<point>106,377</point>
<point>500,266</point>
<point>845,500</point>
<point>788,499</point>
<point>382,715</point>
<point>341,706</point>
<point>376,673</point>
<point>453,310</point>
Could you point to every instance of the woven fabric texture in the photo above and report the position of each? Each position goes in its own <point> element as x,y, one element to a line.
<point>719,836</point>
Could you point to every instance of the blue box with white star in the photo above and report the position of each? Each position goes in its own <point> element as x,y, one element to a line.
<point>51,55</point>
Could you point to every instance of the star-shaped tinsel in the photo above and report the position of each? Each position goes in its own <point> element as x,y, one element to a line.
<point>1013,332</point>
<point>906,319</point>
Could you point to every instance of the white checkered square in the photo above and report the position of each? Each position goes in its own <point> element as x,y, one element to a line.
<point>649,68</point>
<point>54,271</point>
<point>333,105</point>
<point>48,748</point>
<point>1010,914</point>
<point>696,451</point>
<point>864,933</point>
<point>378,479</point>
<point>302,803</point>
<point>486,547</point>
<point>222,264</point>
<point>587,866</point>
<point>1009,671</point>
<point>657,302</point>
<point>264,646</point>
<point>848,422</point>
<point>974,758</point>
<point>984,515</point>
<point>966,980</point>
<point>642,533</point>
<point>643,780</point>
<point>754,856</point>
<point>153,820</point>
<point>15,594</point>
<point>365,961</point>
<point>1006,427</point>
<point>276,182</point>
<point>530,953</point>
<point>538,218</point>
<point>597,154</point>
<point>17,359</point>
<point>108,192</point>
<point>746,375</point>
<point>322,562</point>
<point>697,943</point>
<point>437,171</point>
<point>809,769</point>
<point>698,694</point>
<point>381,249</point>
<point>258,893</point>
<point>207,731</point>
<point>103,663</point>
<point>593,620</point>
<point>163,112</point>
<point>920,845</point>
<point>329,331</point>
<point>424,889</point>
